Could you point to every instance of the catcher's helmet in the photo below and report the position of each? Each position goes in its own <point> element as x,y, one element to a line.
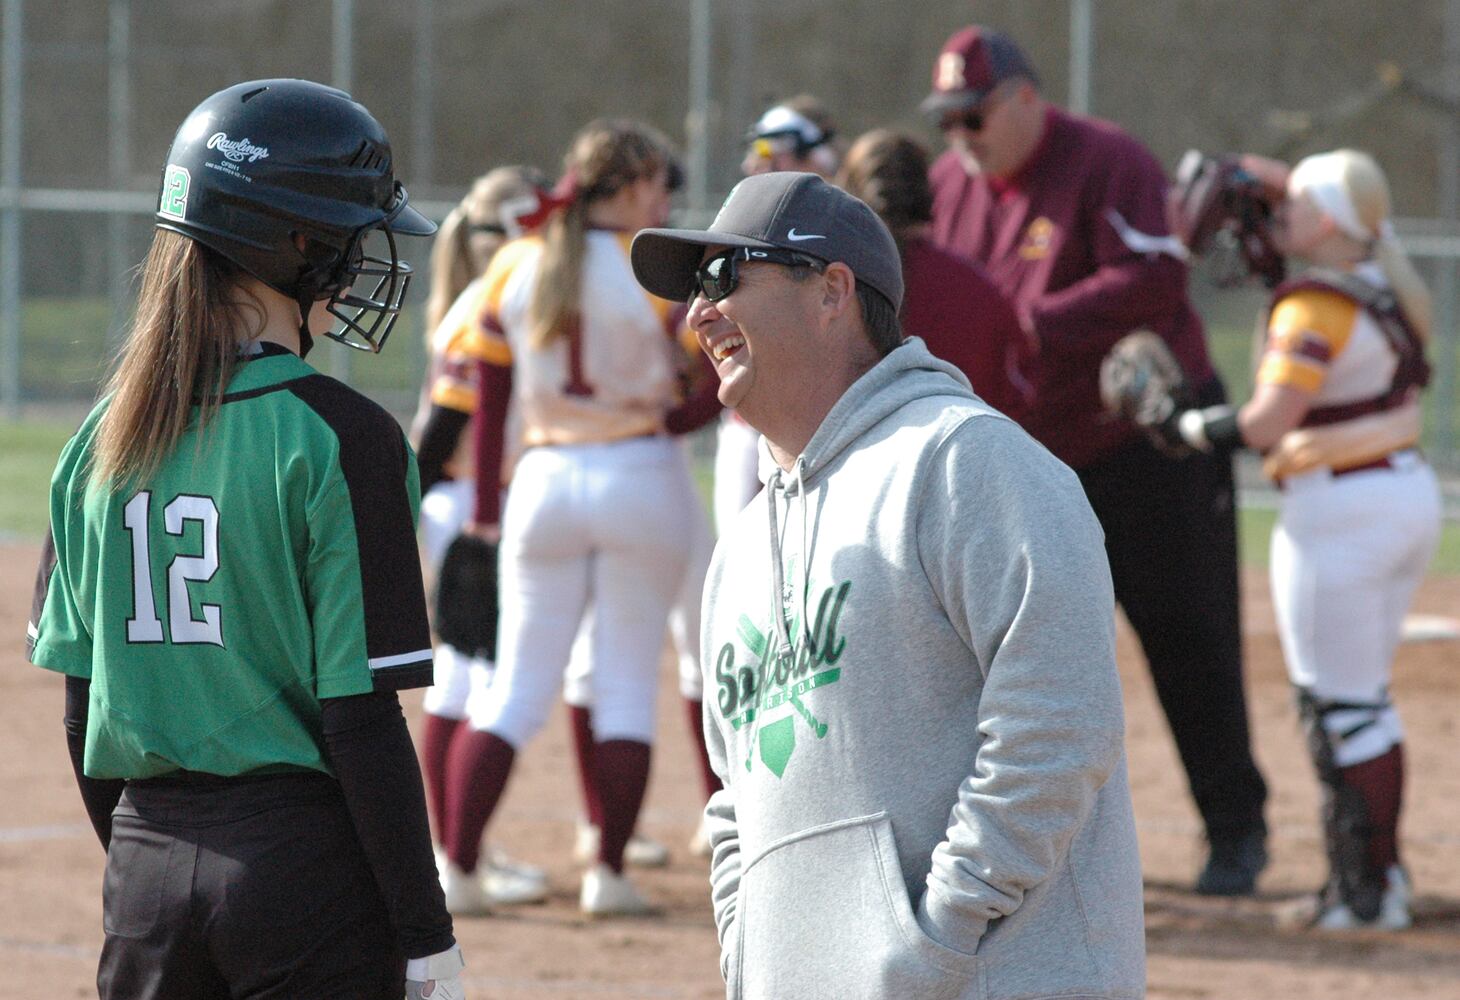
<point>261,163</point>
<point>1219,206</point>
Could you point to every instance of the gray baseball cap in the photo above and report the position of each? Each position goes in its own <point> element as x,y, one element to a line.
<point>787,211</point>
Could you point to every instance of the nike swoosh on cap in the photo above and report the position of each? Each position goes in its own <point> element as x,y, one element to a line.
<point>793,235</point>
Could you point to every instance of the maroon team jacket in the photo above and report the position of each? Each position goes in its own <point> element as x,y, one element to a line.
<point>1066,240</point>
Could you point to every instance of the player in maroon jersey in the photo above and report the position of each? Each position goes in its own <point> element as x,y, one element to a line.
<point>949,302</point>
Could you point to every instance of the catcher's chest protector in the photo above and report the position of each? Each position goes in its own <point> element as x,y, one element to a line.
<point>1412,371</point>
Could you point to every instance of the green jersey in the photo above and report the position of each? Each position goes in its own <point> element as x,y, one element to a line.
<point>269,563</point>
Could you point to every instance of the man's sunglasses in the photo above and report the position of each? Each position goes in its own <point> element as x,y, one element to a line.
<point>718,276</point>
<point>973,120</point>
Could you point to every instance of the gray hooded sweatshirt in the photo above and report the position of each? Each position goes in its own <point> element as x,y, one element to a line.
<point>912,699</point>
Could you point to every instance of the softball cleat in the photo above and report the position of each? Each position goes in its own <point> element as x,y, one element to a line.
<point>466,895</point>
<point>606,893</point>
<point>640,851</point>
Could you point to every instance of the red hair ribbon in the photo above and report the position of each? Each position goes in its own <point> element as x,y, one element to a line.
<point>563,194</point>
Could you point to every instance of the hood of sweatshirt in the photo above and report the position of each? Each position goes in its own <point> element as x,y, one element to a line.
<point>909,373</point>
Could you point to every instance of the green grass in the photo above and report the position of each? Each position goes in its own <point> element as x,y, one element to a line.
<point>65,351</point>
<point>63,347</point>
<point>28,453</point>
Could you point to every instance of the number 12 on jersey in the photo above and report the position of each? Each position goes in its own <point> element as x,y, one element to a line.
<point>145,625</point>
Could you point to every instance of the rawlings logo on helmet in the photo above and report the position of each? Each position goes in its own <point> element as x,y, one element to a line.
<point>238,150</point>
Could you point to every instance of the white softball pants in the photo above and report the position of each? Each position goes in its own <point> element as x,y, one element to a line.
<point>737,468</point>
<point>601,525</point>
<point>1347,556</point>
<point>444,509</point>
<point>684,617</point>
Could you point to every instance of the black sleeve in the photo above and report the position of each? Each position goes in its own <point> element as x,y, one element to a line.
<point>369,747</point>
<point>438,441</point>
<point>99,795</point>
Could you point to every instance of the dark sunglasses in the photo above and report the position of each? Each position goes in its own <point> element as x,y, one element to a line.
<point>718,276</point>
<point>973,120</point>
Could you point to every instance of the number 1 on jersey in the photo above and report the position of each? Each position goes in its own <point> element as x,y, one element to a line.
<point>145,625</point>
<point>576,385</point>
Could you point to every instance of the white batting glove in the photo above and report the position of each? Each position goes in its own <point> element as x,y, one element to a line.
<point>436,977</point>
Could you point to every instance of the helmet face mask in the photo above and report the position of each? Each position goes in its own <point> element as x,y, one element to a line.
<point>366,320</point>
<point>1220,210</point>
<point>286,179</point>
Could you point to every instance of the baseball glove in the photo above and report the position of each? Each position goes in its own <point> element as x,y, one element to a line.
<point>1141,381</point>
<point>466,597</point>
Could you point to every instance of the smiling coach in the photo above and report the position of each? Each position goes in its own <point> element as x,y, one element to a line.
<point>910,632</point>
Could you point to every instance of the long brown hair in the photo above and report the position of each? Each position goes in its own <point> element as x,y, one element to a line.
<point>455,261</point>
<point>889,171</point>
<point>606,156</point>
<point>181,351</point>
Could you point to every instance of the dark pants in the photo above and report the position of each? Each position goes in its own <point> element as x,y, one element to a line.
<point>1171,536</point>
<point>253,888</point>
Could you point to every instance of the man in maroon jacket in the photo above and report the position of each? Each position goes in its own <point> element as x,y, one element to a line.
<point>1066,213</point>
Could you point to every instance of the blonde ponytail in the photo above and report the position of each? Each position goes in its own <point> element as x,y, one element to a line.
<point>1409,287</point>
<point>1367,189</point>
<point>451,267</point>
<point>606,157</point>
<point>472,233</point>
<point>555,306</point>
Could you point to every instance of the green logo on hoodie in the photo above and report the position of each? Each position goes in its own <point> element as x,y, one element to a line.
<point>750,688</point>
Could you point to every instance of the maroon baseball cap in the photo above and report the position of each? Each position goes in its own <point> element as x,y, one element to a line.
<point>973,62</point>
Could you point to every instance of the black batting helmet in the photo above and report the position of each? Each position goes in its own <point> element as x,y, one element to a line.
<point>286,178</point>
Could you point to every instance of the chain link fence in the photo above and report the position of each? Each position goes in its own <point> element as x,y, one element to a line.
<point>89,95</point>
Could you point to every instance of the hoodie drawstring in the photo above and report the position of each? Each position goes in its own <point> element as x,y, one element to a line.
<point>782,639</point>
<point>800,471</point>
<point>778,574</point>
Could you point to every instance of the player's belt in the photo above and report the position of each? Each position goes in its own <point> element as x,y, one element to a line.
<point>1383,462</point>
<point>1322,416</point>
<point>1378,463</point>
<point>598,441</point>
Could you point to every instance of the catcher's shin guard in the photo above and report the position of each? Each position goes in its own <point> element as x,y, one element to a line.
<point>1348,824</point>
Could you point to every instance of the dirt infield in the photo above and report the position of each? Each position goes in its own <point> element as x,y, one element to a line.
<point>50,864</point>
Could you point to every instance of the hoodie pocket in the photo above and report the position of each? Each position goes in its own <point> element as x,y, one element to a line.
<point>824,913</point>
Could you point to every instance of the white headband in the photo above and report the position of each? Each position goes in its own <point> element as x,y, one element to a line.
<point>781,120</point>
<point>1320,177</point>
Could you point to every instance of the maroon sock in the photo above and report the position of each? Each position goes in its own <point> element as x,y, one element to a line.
<point>435,745</point>
<point>694,709</point>
<point>623,774</point>
<point>1381,782</point>
<point>587,773</point>
<point>477,771</point>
